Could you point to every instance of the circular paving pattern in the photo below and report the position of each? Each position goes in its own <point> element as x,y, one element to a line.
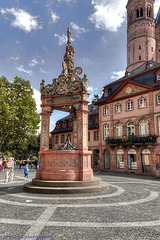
<point>129,210</point>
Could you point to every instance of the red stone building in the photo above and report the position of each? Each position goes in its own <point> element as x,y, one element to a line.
<point>125,133</point>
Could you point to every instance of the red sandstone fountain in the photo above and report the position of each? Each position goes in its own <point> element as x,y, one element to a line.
<point>68,168</point>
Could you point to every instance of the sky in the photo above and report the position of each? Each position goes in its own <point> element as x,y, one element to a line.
<point>33,41</point>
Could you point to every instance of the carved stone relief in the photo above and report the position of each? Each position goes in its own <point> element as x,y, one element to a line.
<point>44,131</point>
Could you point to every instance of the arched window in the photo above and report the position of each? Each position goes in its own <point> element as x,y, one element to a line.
<point>106,131</point>
<point>139,47</point>
<point>62,138</point>
<point>130,129</point>
<point>105,111</point>
<point>141,12</point>
<point>139,57</point>
<point>143,127</point>
<point>142,103</point>
<point>119,130</point>
<point>148,11</point>
<point>137,13</point>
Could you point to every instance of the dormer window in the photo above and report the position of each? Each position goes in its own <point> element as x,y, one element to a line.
<point>157,75</point>
<point>106,93</point>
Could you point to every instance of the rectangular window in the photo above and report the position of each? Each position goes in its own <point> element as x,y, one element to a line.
<point>159,125</point>
<point>105,111</point>
<point>88,136</point>
<point>106,131</point>
<point>62,138</point>
<point>95,135</point>
<point>118,108</point>
<point>57,139</point>
<point>142,103</point>
<point>158,99</point>
<point>129,106</point>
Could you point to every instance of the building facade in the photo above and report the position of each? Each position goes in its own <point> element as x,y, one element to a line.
<point>124,124</point>
<point>129,117</point>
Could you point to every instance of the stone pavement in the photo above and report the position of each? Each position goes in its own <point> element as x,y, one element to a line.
<point>129,210</point>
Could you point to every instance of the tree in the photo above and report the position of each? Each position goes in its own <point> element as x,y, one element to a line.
<point>95,98</point>
<point>18,117</point>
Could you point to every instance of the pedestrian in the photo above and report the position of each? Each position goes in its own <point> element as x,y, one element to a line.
<point>7,167</point>
<point>26,171</point>
<point>11,170</point>
<point>1,163</point>
<point>20,164</point>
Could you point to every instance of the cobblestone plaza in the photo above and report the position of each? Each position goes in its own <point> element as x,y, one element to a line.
<point>128,210</point>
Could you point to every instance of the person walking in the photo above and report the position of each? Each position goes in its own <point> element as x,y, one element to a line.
<point>7,167</point>
<point>1,163</point>
<point>11,170</point>
<point>26,171</point>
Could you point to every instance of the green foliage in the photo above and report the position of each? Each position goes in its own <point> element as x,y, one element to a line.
<point>18,117</point>
<point>95,98</point>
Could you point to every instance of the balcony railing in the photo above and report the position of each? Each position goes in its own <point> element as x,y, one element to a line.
<point>132,140</point>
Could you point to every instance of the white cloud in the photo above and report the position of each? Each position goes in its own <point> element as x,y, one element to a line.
<point>62,39</point>
<point>23,20</point>
<point>118,74</point>
<point>78,29</point>
<point>54,17</point>
<point>15,58</point>
<point>33,63</point>
<point>108,15</point>
<point>43,71</point>
<point>37,97</point>
<point>22,69</point>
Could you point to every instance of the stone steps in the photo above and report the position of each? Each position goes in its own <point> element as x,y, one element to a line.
<point>66,187</point>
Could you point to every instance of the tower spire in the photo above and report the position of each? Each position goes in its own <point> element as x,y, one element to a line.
<point>68,36</point>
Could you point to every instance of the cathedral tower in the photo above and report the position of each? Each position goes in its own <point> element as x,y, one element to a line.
<point>141,42</point>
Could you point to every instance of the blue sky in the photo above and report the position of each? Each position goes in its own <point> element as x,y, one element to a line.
<point>33,40</point>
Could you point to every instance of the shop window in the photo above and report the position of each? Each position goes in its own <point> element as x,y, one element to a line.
<point>57,139</point>
<point>120,158</point>
<point>106,159</point>
<point>143,128</point>
<point>62,138</point>
<point>106,131</point>
<point>130,129</point>
<point>159,125</point>
<point>146,161</point>
<point>142,103</point>
<point>119,130</point>
<point>132,162</point>
<point>95,135</point>
<point>158,99</point>
<point>105,111</point>
<point>129,106</point>
<point>118,108</point>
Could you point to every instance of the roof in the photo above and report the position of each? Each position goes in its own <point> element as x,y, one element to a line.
<point>141,75</point>
<point>93,110</point>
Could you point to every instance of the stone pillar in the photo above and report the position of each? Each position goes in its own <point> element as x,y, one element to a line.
<point>74,131</point>
<point>45,123</point>
<point>82,128</point>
